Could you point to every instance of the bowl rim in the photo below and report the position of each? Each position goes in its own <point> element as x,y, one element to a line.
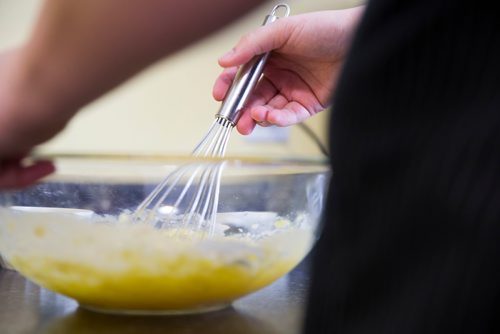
<point>310,160</point>
<point>153,168</point>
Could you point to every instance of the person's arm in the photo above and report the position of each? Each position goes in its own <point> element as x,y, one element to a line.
<point>308,53</point>
<point>81,49</point>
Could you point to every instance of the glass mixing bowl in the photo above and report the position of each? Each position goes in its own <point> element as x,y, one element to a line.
<point>73,233</point>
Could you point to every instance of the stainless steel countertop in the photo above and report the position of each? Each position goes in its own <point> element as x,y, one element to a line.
<point>279,308</point>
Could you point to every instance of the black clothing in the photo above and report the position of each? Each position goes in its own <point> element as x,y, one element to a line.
<point>411,239</point>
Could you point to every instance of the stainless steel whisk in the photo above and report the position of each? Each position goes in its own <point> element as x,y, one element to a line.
<point>215,141</point>
<point>187,199</point>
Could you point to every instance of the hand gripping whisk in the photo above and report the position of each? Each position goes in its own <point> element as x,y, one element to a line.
<point>187,199</point>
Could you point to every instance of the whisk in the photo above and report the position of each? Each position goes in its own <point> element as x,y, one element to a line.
<point>187,199</point>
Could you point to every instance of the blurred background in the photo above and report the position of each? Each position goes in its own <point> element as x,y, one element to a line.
<point>168,107</point>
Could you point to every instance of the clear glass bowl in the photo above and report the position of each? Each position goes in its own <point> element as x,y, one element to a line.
<point>73,233</point>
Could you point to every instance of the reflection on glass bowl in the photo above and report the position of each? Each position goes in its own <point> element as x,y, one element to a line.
<point>73,234</point>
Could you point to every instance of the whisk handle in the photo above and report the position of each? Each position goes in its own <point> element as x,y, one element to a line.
<point>247,77</point>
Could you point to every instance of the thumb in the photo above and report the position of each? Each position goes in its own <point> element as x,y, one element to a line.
<point>264,39</point>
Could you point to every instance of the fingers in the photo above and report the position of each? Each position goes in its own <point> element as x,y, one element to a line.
<point>290,114</point>
<point>245,124</point>
<point>268,106</point>
<point>260,41</point>
<point>263,92</point>
<point>277,112</point>
<point>13,174</point>
<point>223,82</point>
<point>266,115</point>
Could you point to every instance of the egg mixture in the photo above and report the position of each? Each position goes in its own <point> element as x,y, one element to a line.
<point>111,264</point>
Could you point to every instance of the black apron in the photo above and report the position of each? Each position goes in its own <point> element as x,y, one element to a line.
<point>411,232</point>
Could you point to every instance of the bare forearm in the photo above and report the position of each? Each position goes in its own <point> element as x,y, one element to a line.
<point>81,49</point>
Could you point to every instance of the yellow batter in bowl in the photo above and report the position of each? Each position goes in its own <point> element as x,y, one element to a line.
<point>113,265</point>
